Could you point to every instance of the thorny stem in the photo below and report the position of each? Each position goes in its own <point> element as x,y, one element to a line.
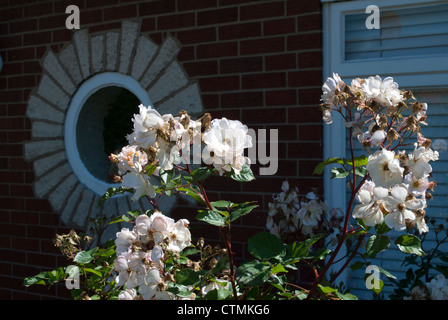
<point>226,236</point>
<point>355,190</point>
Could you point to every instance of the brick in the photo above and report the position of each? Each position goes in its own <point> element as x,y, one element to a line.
<point>299,7</point>
<point>305,78</point>
<point>197,35</point>
<point>68,59</point>
<point>310,96</point>
<point>241,30</point>
<point>279,26</point>
<point>49,90</point>
<point>121,12</point>
<point>146,49</point>
<point>157,7</point>
<point>47,182</point>
<point>280,62</point>
<point>311,132</point>
<point>172,79</point>
<point>100,3</point>
<point>8,14</point>
<point>304,41</point>
<point>201,68</point>
<point>263,45</point>
<point>217,50</point>
<point>261,11</point>
<point>241,65</point>
<point>27,81</point>
<point>71,204</point>
<point>309,22</point>
<point>111,50</point>
<point>129,33</point>
<point>40,110</point>
<point>41,9</point>
<point>305,150</point>
<point>21,54</point>
<point>222,83</point>
<point>53,22</point>
<point>281,98</point>
<point>263,116</point>
<point>46,130</point>
<point>54,68</point>
<point>242,99</point>
<point>60,195</point>
<point>264,80</point>
<point>189,99</point>
<point>36,149</point>
<point>23,26</point>
<point>165,55</point>
<point>176,21</point>
<point>309,59</point>
<point>37,38</point>
<point>186,5</point>
<point>81,41</point>
<point>304,115</point>
<point>97,53</point>
<point>217,16</point>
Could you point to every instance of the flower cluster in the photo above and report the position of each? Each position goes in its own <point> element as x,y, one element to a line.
<point>160,142</point>
<point>291,217</point>
<point>382,116</point>
<point>436,289</point>
<point>141,252</point>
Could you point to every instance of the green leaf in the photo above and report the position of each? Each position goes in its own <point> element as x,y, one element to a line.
<point>265,246</point>
<point>321,166</point>
<point>211,217</point>
<point>192,194</point>
<point>241,210</point>
<point>410,244</point>
<point>382,228</point>
<point>222,204</point>
<point>245,175</point>
<point>359,161</point>
<point>360,171</point>
<point>37,279</point>
<point>327,290</point>
<point>113,191</point>
<point>278,268</point>
<point>217,294</point>
<point>386,273</point>
<point>338,173</point>
<point>357,265</point>
<point>377,244</point>
<point>201,173</point>
<point>187,277</point>
<point>166,175</point>
<point>84,257</point>
<point>95,272</point>
<point>253,273</point>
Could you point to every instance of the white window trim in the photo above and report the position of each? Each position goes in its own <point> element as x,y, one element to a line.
<point>333,15</point>
<point>92,85</point>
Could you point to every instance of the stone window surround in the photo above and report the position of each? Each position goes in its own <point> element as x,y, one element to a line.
<point>133,60</point>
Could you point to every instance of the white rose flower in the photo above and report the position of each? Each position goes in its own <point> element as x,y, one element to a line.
<point>128,294</point>
<point>329,90</point>
<point>141,184</point>
<point>384,91</point>
<point>416,186</point>
<point>179,237</point>
<point>225,142</point>
<point>161,226</point>
<point>384,168</point>
<point>124,239</point>
<point>131,159</point>
<point>418,161</point>
<point>146,124</point>
<point>399,208</point>
<point>370,208</point>
<point>154,288</point>
<point>438,288</point>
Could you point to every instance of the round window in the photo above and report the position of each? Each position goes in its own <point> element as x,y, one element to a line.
<point>97,122</point>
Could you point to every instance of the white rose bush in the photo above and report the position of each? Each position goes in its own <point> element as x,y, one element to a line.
<point>154,257</point>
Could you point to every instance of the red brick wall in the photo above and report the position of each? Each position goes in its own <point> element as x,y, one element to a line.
<point>257,61</point>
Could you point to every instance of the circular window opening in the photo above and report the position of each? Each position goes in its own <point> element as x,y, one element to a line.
<point>102,126</point>
<point>97,122</point>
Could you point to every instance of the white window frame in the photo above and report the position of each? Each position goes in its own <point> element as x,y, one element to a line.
<point>88,88</point>
<point>417,69</point>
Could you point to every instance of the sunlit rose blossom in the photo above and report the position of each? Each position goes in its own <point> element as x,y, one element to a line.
<point>330,88</point>
<point>384,91</point>
<point>438,288</point>
<point>419,161</point>
<point>146,124</point>
<point>225,143</point>
<point>131,159</point>
<point>384,168</point>
<point>400,208</point>
<point>140,183</point>
<point>154,288</point>
<point>128,294</point>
